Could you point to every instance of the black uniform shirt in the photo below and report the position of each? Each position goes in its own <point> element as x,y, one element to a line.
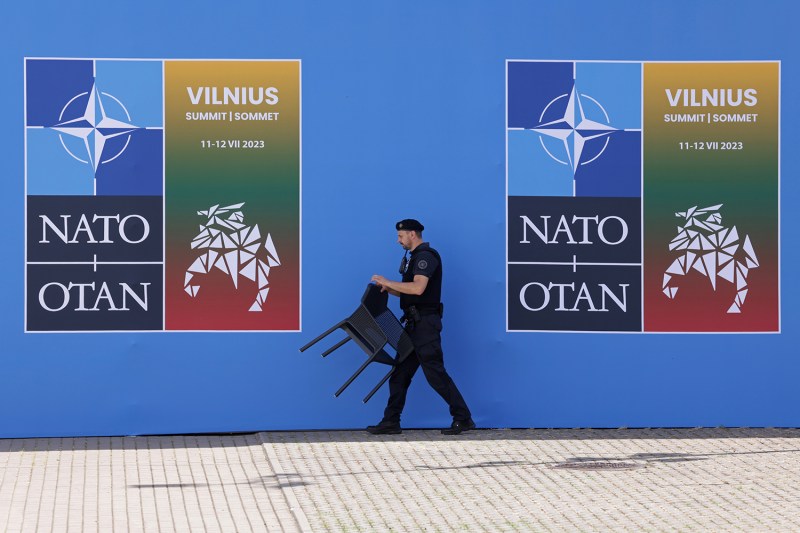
<point>424,261</point>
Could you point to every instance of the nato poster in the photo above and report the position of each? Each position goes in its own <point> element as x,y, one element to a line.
<point>642,196</point>
<point>162,195</point>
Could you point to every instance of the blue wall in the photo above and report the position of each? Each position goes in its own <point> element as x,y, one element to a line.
<point>403,115</point>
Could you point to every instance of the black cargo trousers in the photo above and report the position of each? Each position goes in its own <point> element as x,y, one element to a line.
<point>426,336</point>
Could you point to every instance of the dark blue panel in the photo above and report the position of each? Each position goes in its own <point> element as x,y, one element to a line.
<point>618,172</point>
<point>531,87</point>
<point>95,298</point>
<point>95,228</point>
<point>51,85</point>
<point>584,298</point>
<point>139,170</point>
<point>551,229</point>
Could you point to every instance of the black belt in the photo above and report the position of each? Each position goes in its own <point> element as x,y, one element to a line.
<point>413,312</point>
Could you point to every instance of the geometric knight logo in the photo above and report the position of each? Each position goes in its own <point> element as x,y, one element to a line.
<point>234,248</point>
<point>713,250</point>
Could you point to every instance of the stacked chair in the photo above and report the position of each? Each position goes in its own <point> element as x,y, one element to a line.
<point>373,327</point>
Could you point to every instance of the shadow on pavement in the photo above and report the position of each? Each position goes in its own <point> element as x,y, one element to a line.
<point>234,440</point>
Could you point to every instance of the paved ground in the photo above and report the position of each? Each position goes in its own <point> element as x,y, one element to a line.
<point>486,480</point>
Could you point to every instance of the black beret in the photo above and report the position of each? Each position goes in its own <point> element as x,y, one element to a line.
<point>409,224</point>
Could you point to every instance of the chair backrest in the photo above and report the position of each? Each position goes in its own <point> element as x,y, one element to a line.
<point>375,300</point>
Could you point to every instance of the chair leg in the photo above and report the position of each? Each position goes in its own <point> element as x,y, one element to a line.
<point>335,346</point>
<point>378,386</point>
<point>354,376</point>
<point>312,343</point>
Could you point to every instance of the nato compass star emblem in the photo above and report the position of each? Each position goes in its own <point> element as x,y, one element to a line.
<point>94,126</point>
<point>582,140</point>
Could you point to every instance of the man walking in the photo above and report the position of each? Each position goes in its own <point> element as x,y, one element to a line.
<point>420,294</point>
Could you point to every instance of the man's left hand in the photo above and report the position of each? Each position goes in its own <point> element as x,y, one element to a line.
<point>380,281</point>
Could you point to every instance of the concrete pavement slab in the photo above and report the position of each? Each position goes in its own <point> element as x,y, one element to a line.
<point>484,480</point>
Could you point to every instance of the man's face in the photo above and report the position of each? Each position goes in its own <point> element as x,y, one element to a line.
<point>404,239</point>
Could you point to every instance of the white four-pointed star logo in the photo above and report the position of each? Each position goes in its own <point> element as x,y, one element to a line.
<point>94,130</point>
<point>574,130</point>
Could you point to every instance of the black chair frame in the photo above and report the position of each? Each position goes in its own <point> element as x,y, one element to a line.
<point>372,326</point>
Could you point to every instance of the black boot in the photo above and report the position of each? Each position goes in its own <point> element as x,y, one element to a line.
<point>459,426</point>
<point>386,428</point>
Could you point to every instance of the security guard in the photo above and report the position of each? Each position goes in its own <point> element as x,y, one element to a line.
<point>420,295</point>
